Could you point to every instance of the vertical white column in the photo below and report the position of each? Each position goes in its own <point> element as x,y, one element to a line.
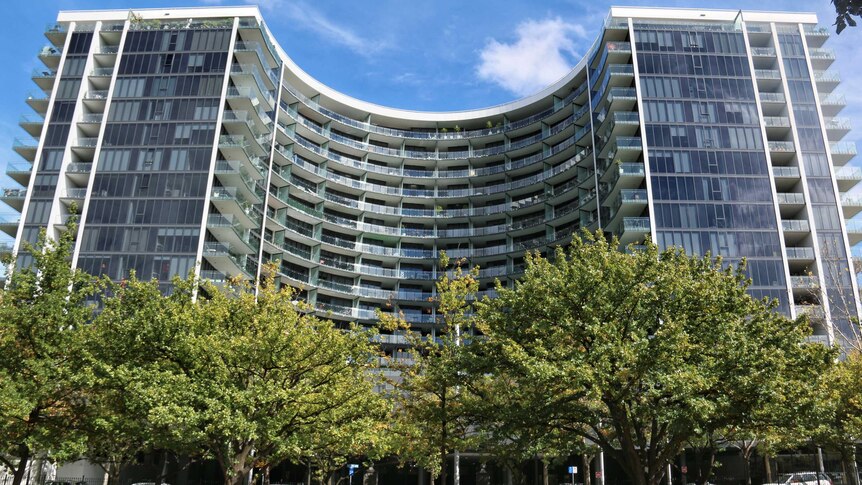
<point>86,205</point>
<point>644,144</point>
<point>841,218</point>
<point>788,287</point>
<point>798,148</point>
<point>214,155</point>
<point>41,143</point>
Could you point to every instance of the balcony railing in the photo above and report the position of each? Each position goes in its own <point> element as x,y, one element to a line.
<point>795,226</point>
<point>781,146</point>
<point>800,253</point>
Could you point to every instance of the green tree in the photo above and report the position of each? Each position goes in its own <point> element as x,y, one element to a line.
<point>431,421</point>
<point>840,396</point>
<point>41,383</point>
<point>640,353</point>
<point>241,378</point>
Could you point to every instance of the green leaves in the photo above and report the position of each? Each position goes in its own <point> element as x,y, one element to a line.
<point>42,382</point>
<point>639,353</point>
<point>235,376</point>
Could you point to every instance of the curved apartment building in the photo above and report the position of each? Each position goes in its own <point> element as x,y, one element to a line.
<point>188,140</point>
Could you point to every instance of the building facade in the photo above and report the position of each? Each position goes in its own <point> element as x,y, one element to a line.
<point>187,140</point>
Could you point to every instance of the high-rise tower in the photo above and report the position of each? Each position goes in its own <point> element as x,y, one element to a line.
<point>188,140</point>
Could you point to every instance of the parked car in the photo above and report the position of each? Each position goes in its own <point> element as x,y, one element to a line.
<point>803,478</point>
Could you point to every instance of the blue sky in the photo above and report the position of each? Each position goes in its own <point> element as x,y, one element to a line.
<point>416,54</point>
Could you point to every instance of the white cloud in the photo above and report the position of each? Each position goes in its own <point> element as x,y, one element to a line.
<point>309,18</point>
<point>540,55</point>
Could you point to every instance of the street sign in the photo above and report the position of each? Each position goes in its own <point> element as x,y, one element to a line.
<point>352,468</point>
<point>598,474</point>
<point>683,469</point>
<point>573,469</point>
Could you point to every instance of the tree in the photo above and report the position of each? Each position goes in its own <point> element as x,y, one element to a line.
<point>239,378</point>
<point>641,353</point>
<point>840,397</point>
<point>431,421</point>
<point>845,10</point>
<point>41,385</point>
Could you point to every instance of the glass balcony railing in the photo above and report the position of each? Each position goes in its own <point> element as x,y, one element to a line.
<point>56,28</point>
<point>821,53</point>
<point>24,144</point>
<point>75,193</point>
<point>795,226</point>
<point>43,73</point>
<point>637,196</point>
<point>102,72</point>
<point>776,121</point>
<point>833,99</point>
<point>843,148</point>
<point>96,95</point>
<point>800,253</point>
<point>814,312</point>
<point>815,30</point>
<point>757,28</point>
<point>791,198</point>
<point>827,76</point>
<point>785,172</point>
<point>636,224</point>
<point>772,98</point>
<point>770,74</point>
<point>432,134</point>
<point>633,143</point>
<point>853,226</point>
<point>79,167</point>
<point>86,142</point>
<point>14,193</point>
<point>781,146</point>
<point>763,51</point>
<point>839,124</point>
<point>805,281</point>
<point>851,201</point>
<point>92,118</point>
<point>49,51</point>
<point>849,173</point>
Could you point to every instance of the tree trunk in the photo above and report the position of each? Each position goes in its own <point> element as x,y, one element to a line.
<point>163,474</point>
<point>588,476</point>
<point>768,465</point>
<point>544,472</point>
<point>745,451</point>
<point>848,461</point>
<point>23,460</point>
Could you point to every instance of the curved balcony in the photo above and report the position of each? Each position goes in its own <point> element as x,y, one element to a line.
<point>14,198</point>
<point>398,153</point>
<point>20,172</point>
<point>439,193</point>
<point>223,258</point>
<point>437,134</point>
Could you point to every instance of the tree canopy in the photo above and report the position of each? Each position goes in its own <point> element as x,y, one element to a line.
<point>241,378</point>
<point>42,384</point>
<point>639,353</point>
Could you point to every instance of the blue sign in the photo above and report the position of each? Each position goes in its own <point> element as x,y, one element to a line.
<point>573,470</point>
<point>352,467</point>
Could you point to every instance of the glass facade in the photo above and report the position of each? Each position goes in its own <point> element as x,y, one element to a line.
<point>192,145</point>
<point>147,200</point>
<point>825,206</point>
<point>709,173</point>
<point>56,134</point>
